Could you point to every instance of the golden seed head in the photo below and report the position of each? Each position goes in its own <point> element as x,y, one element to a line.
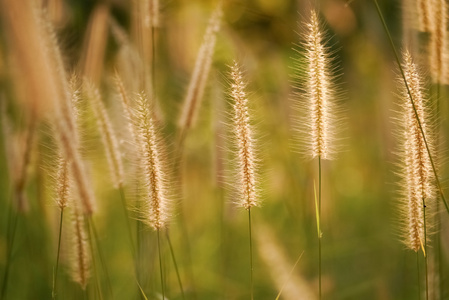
<point>245,141</point>
<point>155,211</point>
<point>417,174</point>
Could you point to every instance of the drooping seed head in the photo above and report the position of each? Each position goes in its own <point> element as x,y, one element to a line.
<point>80,259</point>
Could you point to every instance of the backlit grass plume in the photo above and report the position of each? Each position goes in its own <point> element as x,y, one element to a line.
<point>107,135</point>
<point>316,93</point>
<point>243,132</point>
<point>438,59</point>
<point>80,260</point>
<point>200,73</point>
<point>425,15</point>
<point>416,169</point>
<point>155,209</point>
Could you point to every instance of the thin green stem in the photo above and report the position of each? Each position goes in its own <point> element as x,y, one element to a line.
<point>175,264</point>
<point>437,180</point>
<point>250,255</point>
<point>100,254</point>
<point>128,225</point>
<point>94,263</point>
<point>11,234</point>
<point>319,221</point>
<point>419,281</point>
<point>160,264</point>
<point>425,249</point>
<point>55,276</point>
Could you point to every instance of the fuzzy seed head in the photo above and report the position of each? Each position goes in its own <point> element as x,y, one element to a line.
<point>417,173</point>
<point>200,73</point>
<point>62,183</point>
<point>245,141</point>
<point>108,136</point>
<point>438,43</point>
<point>425,15</point>
<point>156,200</point>
<point>317,94</point>
<point>80,264</point>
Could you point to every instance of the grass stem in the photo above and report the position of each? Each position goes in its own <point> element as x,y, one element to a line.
<point>175,264</point>
<point>425,249</point>
<point>55,276</point>
<point>160,263</point>
<point>319,227</point>
<point>419,281</point>
<point>250,255</point>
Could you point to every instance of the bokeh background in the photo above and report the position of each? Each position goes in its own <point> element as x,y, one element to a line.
<point>363,257</point>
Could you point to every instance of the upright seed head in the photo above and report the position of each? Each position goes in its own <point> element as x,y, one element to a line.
<point>107,135</point>
<point>245,141</point>
<point>317,94</point>
<point>417,174</point>
<point>438,59</point>
<point>62,183</point>
<point>200,73</point>
<point>80,262</point>
<point>155,210</point>
<point>425,15</point>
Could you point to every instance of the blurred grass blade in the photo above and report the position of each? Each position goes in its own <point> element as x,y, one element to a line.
<point>289,275</point>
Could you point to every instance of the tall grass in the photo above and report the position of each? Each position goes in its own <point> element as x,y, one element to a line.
<point>103,103</point>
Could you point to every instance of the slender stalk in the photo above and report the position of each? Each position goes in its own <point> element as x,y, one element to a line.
<point>417,267</point>
<point>319,233</point>
<point>437,180</point>
<point>55,277</point>
<point>250,254</point>
<point>94,264</point>
<point>11,233</point>
<point>425,249</point>
<point>175,264</point>
<point>128,225</point>
<point>160,263</point>
<point>100,254</point>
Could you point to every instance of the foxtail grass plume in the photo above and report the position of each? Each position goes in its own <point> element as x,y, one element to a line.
<point>155,210</point>
<point>425,15</point>
<point>416,169</point>
<point>246,159</point>
<point>42,73</point>
<point>438,58</point>
<point>80,256</point>
<point>95,43</point>
<point>317,94</point>
<point>126,107</point>
<point>107,135</point>
<point>62,183</point>
<point>200,73</point>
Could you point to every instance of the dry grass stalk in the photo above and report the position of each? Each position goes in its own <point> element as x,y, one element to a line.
<point>438,43</point>
<point>107,135</point>
<point>425,15</point>
<point>247,165</point>
<point>156,208</point>
<point>417,175</point>
<point>95,43</point>
<point>200,73</point>
<point>80,264</point>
